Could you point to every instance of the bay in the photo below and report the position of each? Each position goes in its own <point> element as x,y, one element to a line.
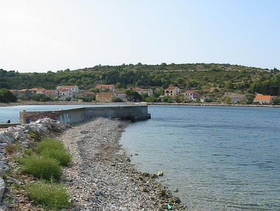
<point>220,158</point>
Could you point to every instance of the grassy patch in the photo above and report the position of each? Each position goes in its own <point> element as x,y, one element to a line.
<point>35,135</point>
<point>51,196</point>
<point>44,161</point>
<point>42,167</point>
<point>62,156</point>
<point>52,148</point>
<point>28,152</point>
<point>49,143</point>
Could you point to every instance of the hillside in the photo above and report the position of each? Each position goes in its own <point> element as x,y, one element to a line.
<point>213,79</point>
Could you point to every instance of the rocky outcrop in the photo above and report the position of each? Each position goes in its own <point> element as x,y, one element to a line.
<point>24,135</point>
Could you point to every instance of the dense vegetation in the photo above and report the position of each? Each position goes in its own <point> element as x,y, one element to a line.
<point>6,96</point>
<point>210,79</point>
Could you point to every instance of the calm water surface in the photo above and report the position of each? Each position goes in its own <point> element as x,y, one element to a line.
<point>220,158</point>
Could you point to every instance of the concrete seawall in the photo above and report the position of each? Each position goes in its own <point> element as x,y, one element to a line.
<point>79,115</point>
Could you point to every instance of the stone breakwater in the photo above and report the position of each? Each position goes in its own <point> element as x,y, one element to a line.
<point>22,135</point>
<point>102,177</point>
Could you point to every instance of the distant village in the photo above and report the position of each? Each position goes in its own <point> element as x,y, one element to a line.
<point>109,93</point>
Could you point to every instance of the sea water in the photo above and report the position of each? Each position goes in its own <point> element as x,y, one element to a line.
<point>220,158</point>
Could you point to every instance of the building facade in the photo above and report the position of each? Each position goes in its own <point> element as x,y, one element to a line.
<point>64,92</point>
<point>172,91</point>
<point>263,99</point>
<point>191,95</point>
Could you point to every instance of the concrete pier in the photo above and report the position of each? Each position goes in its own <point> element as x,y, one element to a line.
<point>79,115</point>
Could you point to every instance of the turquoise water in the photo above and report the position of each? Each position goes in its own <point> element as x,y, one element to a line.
<point>220,158</point>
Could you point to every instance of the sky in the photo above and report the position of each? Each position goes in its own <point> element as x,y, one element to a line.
<point>44,35</point>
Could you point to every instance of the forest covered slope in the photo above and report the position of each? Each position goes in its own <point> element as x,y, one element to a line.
<point>212,79</point>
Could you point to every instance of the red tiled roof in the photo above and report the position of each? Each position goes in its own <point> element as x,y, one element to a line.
<point>37,89</point>
<point>171,88</point>
<point>263,97</point>
<point>22,90</point>
<point>50,91</point>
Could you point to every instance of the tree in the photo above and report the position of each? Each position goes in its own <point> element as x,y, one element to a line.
<point>150,99</point>
<point>276,100</point>
<point>6,96</point>
<point>158,92</point>
<point>116,99</point>
<point>133,96</point>
<point>180,99</point>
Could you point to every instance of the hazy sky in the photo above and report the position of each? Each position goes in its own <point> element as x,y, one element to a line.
<point>42,35</point>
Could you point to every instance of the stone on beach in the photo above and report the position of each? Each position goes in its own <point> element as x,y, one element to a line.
<point>102,177</point>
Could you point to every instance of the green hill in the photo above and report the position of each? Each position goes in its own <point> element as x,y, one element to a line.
<point>211,79</point>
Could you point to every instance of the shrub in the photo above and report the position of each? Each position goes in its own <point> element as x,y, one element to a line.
<point>28,152</point>
<point>150,99</point>
<point>42,167</point>
<point>62,156</point>
<point>6,96</point>
<point>51,196</point>
<point>116,99</point>
<point>35,135</point>
<point>49,143</point>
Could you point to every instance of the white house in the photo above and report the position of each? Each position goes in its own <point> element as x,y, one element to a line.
<point>64,92</point>
<point>172,91</point>
<point>191,95</point>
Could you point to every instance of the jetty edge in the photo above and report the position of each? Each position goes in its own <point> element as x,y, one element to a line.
<point>80,115</point>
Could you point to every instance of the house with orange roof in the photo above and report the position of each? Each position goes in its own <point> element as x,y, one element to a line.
<point>20,92</point>
<point>51,93</point>
<point>172,91</point>
<point>263,99</point>
<point>105,87</point>
<point>37,90</point>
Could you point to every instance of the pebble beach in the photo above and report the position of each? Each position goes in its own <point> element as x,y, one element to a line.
<point>102,177</point>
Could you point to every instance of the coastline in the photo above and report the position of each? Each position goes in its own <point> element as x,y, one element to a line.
<point>102,176</point>
<point>132,103</point>
<point>215,104</point>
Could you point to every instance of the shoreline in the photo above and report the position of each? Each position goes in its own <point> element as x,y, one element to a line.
<point>133,103</point>
<point>215,104</point>
<point>102,176</point>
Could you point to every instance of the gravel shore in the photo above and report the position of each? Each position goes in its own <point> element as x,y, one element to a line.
<point>101,176</point>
